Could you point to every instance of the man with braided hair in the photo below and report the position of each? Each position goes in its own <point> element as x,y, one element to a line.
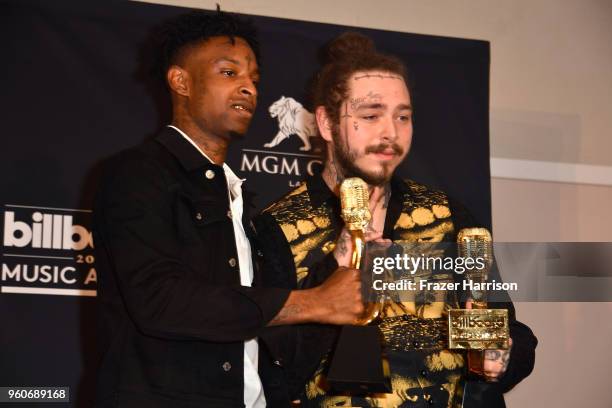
<point>364,114</point>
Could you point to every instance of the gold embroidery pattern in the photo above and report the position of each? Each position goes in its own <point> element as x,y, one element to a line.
<point>425,215</point>
<point>305,228</point>
<point>407,327</point>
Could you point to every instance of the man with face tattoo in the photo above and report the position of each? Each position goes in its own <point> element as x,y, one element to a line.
<point>364,114</point>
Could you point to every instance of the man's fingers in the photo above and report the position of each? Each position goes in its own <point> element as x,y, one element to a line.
<point>342,299</point>
<point>492,366</point>
<point>383,241</point>
<point>353,274</point>
<point>373,235</point>
<point>354,281</point>
<point>492,370</point>
<point>491,377</point>
<point>468,304</point>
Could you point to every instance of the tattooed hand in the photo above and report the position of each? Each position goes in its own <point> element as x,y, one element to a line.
<point>495,361</point>
<point>344,248</point>
<point>344,245</point>
<point>379,201</point>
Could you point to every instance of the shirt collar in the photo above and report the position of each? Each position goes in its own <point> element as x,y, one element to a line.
<point>319,191</point>
<point>320,194</point>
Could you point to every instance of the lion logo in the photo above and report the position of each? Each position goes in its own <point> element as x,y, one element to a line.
<point>293,119</point>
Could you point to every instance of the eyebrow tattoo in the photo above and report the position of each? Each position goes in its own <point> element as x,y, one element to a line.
<point>371,97</point>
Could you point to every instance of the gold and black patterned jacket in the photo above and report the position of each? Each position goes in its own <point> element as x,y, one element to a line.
<point>297,235</point>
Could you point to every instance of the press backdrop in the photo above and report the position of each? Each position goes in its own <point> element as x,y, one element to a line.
<point>75,90</point>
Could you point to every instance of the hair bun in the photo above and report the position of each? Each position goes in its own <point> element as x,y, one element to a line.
<point>348,46</point>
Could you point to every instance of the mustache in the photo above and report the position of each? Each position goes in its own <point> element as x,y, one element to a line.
<point>379,148</point>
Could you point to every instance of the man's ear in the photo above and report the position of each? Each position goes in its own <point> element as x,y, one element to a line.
<point>324,123</point>
<point>178,80</point>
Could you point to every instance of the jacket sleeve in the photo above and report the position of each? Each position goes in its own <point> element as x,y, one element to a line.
<point>135,234</point>
<point>298,348</point>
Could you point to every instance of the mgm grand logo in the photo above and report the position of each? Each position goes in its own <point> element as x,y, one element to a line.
<point>294,122</point>
<point>47,251</point>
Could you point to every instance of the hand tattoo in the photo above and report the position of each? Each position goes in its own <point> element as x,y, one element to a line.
<point>342,246</point>
<point>286,312</point>
<point>501,357</point>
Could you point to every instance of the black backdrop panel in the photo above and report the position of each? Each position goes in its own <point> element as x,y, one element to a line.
<point>74,93</point>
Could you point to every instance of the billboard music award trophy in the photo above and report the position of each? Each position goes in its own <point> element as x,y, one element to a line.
<point>477,329</point>
<point>357,364</point>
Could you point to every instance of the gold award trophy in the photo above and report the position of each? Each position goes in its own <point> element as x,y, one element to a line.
<point>354,200</point>
<point>479,328</point>
<point>356,365</point>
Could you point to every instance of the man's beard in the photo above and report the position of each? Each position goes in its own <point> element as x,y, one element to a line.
<point>346,160</point>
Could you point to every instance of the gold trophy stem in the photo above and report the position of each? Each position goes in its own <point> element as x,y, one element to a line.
<point>372,310</point>
<point>358,246</point>
<point>475,358</point>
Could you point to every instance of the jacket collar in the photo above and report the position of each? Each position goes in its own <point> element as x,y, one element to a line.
<point>320,194</point>
<point>191,160</point>
<point>187,155</point>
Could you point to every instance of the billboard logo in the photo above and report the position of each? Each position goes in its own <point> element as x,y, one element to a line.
<point>48,231</point>
<point>47,251</point>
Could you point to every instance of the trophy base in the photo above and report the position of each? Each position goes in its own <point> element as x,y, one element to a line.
<point>357,365</point>
<point>478,329</point>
